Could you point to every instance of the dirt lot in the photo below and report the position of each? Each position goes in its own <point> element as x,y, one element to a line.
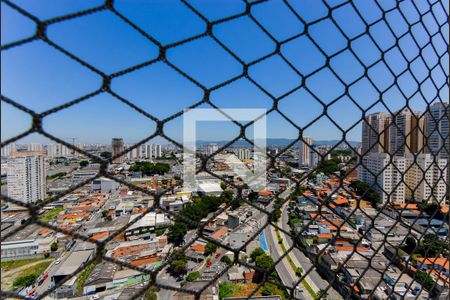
<point>9,276</point>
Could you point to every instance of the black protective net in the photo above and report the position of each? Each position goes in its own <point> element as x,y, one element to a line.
<point>405,258</point>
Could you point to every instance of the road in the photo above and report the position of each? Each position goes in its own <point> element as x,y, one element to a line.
<point>283,268</point>
<point>50,271</point>
<point>304,262</point>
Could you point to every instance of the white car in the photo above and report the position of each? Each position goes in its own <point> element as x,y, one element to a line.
<point>57,261</point>
<point>95,297</point>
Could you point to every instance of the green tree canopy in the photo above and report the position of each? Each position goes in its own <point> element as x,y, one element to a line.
<point>257,252</point>
<point>210,248</point>
<point>225,259</point>
<point>106,154</point>
<point>177,232</point>
<point>193,276</point>
<point>148,168</point>
<point>264,262</point>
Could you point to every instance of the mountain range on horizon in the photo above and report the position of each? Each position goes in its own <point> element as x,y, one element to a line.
<point>274,142</point>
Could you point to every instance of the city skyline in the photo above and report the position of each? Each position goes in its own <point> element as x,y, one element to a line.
<point>37,138</point>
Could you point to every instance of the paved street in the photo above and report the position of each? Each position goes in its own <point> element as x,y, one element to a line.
<point>285,272</point>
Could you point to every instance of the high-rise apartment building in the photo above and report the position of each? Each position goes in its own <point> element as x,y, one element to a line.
<point>116,148</point>
<point>426,178</point>
<point>375,136</point>
<point>406,133</point>
<point>436,129</point>
<point>58,150</point>
<point>132,154</point>
<point>143,151</point>
<point>304,151</point>
<point>157,150</point>
<point>32,147</point>
<point>384,175</point>
<point>212,148</point>
<point>26,176</point>
<point>244,154</point>
<point>314,157</point>
<point>8,149</point>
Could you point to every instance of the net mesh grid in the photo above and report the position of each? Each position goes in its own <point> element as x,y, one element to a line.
<point>426,12</point>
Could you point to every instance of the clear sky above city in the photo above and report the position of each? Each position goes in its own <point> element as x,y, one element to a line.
<point>39,77</point>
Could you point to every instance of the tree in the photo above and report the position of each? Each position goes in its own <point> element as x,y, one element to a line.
<point>177,232</point>
<point>328,167</point>
<point>104,214</point>
<point>431,208</point>
<point>23,281</point>
<point>264,262</point>
<point>106,154</point>
<point>54,246</point>
<point>148,168</point>
<point>257,252</point>
<point>84,163</point>
<point>410,245</point>
<point>276,215</point>
<point>425,279</point>
<point>286,171</point>
<point>227,289</point>
<point>225,259</point>
<point>210,248</point>
<point>223,185</point>
<point>150,294</point>
<point>433,246</point>
<point>179,262</point>
<point>193,276</point>
<point>252,196</point>
<point>179,266</point>
<point>271,289</point>
<point>366,191</point>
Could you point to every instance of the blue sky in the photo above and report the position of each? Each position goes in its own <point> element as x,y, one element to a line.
<point>39,77</point>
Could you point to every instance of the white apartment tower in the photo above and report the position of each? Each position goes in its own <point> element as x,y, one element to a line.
<point>157,150</point>
<point>212,148</point>
<point>384,175</point>
<point>426,178</point>
<point>244,154</point>
<point>26,176</point>
<point>8,149</point>
<point>58,150</point>
<point>132,154</point>
<point>32,147</point>
<point>304,151</point>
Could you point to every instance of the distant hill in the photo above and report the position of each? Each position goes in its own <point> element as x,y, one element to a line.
<point>280,142</point>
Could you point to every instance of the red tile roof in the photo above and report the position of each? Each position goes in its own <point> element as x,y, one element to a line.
<point>218,233</point>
